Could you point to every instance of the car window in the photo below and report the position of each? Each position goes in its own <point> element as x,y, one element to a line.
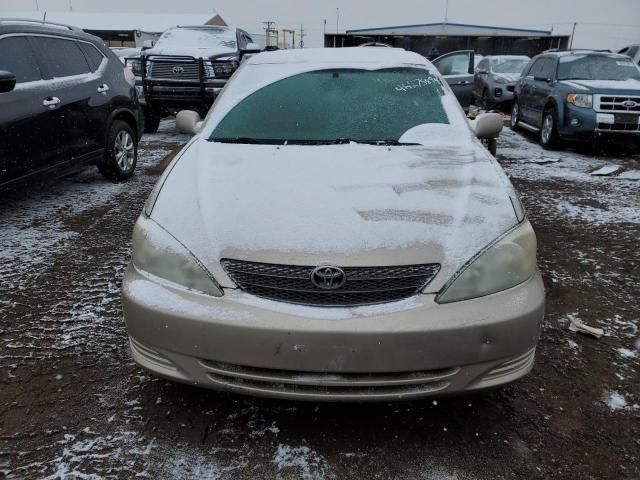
<point>60,57</point>
<point>510,65</point>
<point>93,54</point>
<point>342,107</point>
<point>548,69</point>
<point>198,37</point>
<point>19,58</point>
<point>537,66</point>
<point>454,64</point>
<point>483,65</point>
<point>597,67</point>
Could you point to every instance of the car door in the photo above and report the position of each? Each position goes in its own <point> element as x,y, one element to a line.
<point>70,94</point>
<point>481,76</point>
<point>27,128</point>
<point>458,68</point>
<point>104,91</point>
<point>527,92</point>
<point>543,84</point>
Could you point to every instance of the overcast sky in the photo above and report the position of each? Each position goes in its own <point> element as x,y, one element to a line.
<point>602,23</point>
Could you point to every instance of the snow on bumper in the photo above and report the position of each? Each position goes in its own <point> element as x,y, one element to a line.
<point>408,349</point>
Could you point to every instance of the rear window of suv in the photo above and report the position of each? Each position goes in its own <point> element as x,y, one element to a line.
<point>61,57</point>
<point>18,58</point>
<point>597,67</point>
<point>339,104</point>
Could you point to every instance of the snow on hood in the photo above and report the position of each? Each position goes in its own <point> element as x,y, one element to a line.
<point>353,205</point>
<point>509,77</point>
<point>629,84</point>
<point>195,42</point>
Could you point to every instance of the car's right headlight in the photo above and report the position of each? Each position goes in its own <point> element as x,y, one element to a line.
<point>506,263</point>
<point>159,253</point>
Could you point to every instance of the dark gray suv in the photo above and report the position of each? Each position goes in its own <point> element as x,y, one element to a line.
<point>578,95</point>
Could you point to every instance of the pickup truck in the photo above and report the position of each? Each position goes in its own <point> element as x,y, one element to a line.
<point>186,69</point>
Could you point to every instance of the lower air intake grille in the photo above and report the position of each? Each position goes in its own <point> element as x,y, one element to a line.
<point>328,285</point>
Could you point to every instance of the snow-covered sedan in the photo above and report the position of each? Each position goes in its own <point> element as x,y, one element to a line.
<point>335,231</point>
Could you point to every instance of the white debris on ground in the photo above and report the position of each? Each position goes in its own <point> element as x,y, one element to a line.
<point>617,401</point>
<point>604,171</point>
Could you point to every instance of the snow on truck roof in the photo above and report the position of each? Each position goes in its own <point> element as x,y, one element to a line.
<point>376,57</point>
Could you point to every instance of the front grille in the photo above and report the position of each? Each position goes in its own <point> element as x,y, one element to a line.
<point>362,285</point>
<point>619,127</point>
<point>329,386</point>
<point>187,71</point>
<point>611,104</point>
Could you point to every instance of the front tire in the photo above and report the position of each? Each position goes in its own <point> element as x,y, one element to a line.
<point>151,121</point>
<point>549,131</point>
<point>515,115</point>
<point>121,155</point>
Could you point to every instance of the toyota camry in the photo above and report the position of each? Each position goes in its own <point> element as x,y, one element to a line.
<point>335,230</point>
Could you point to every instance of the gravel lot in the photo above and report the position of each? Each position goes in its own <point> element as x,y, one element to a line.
<point>73,405</point>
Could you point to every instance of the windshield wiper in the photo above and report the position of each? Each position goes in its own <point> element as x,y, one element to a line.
<point>249,141</point>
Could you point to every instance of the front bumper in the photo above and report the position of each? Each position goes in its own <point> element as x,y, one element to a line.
<point>404,350</point>
<point>587,124</point>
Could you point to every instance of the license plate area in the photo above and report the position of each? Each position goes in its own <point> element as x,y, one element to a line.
<point>627,118</point>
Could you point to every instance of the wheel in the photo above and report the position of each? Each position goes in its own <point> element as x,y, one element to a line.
<point>151,121</point>
<point>121,155</point>
<point>515,115</point>
<point>486,102</point>
<point>548,132</point>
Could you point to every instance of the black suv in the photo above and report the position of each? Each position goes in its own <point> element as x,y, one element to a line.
<point>187,68</point>
<point>65,101</point>
<point>578,95</point>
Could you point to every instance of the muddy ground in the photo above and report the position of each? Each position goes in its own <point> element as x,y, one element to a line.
<point>73,405</point>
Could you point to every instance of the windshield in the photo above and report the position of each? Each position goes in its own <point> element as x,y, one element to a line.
<point>597,67</point>
<point>509,66</point>
<point>337,106</point>
<point>204,37</point>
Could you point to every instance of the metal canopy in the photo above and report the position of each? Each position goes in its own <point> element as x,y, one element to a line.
<point>448,30</point>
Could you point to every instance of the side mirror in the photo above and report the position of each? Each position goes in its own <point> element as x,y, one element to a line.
<point>188,121</point>
<point>147,44</point>
<point>488,125</point>
<point>7,81</point>
<point>482,71</point>
<point>541,78</point>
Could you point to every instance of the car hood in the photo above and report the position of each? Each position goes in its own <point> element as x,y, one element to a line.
<point>351,205</point>
<point>195,52</point>
<point>628,87</point>
<point>509,77</point>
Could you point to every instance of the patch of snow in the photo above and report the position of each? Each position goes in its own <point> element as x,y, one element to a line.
<point>608,170</point>
<point>626,353</point>
<point>303,462</point>
<point>617,401</point>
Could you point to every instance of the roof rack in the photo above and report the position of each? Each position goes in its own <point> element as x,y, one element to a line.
<point>31,21</point>
<point>563,50</point>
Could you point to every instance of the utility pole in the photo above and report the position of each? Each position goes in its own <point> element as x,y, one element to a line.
<point>446,11</point>
<point>302,35</point>
<point>268,30</point>
<point>37,6</point>
<point>337,20</point>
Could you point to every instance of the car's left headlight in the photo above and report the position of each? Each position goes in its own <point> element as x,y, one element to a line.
<point>159,253</point>
<point>580,100</point>
<point>506,263</point>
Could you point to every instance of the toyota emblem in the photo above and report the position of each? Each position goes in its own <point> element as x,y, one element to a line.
<point>328,277</point>
<point>178,70</point>
<point>630,104</point>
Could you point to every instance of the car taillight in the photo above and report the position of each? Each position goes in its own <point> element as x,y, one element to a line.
<point>129,77</point>
<point>224,69</point>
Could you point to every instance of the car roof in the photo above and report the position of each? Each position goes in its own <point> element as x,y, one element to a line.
<point>27,26</point>
<point>568,53</point>
<point>340,56</point>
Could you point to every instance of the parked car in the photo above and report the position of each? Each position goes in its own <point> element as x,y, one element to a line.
<point>579,96</point>
<point>495,79</point>
<point>632,51</point>
<point>187,68</point>
<point>359,244</point>
<point>126,52</point>
<point>458,69</point>
<point>65,100</point>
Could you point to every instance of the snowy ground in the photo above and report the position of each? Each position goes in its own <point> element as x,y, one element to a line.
<point>73,405</point>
